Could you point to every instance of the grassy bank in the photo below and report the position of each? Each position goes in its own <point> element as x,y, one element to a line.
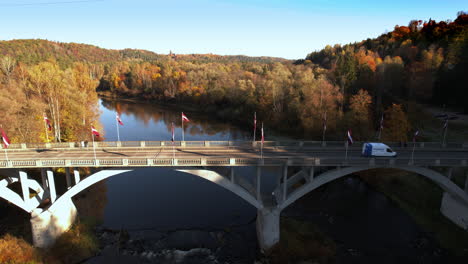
<point>73,246</point>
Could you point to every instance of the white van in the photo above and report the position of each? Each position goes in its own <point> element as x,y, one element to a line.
<point>377,150</point>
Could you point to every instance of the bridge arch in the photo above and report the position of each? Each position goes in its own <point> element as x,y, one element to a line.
<point>208,175</point>
<point>442,181</point>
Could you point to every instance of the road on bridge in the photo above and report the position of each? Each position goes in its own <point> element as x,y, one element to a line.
<point>278,152</point>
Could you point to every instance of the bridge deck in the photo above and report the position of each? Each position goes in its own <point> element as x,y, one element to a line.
<point>109,154</point>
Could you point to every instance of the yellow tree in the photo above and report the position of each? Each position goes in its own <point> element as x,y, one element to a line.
<point>359,115</point>
<point>47,80</point>
<point>396,124</point>
<point>320,97</point>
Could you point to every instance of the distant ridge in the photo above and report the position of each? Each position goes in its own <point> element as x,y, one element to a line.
<point>33,51</point>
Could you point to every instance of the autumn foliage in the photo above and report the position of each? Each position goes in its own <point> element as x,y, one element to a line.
<point>350,84</point>
<point>17,251</point>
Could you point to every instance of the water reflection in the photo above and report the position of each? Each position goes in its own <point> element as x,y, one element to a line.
<point>143,118</point>
<point>162,198</point>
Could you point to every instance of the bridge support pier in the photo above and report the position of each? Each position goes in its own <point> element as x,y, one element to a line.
<point>47,225</point>
<point>268,227</point>
<point>455,210</point>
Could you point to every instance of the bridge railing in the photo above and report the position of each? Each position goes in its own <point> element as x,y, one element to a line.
<point>188,144</point>
<point>228,161</point>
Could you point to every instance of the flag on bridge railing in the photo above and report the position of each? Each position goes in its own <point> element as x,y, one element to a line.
<point>350,139</point>
<point>47,121</point>
<point>6,141</point>
<point>118,119</point>
<point>94,131</point>
<point>184,118</point>
<point>172,130</point>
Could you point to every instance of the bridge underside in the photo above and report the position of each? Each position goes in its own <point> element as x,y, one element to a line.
<point>59,213</point>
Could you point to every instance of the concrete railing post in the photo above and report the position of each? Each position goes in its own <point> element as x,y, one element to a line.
<point>207,143</point>
<point>268,227</point>
<point>182,143</point>
<point>142,144</point>
<point>311,173</point>
<point>23,146</point>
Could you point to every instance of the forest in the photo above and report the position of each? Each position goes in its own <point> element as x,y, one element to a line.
<point>350,86</point>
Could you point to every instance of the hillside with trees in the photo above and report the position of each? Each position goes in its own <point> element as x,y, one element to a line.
<point>425,61</point>
<point>342,86</point>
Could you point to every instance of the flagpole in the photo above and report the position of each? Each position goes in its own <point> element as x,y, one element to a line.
<point>94,147</point>
<point>117,126</point>
<point>4,148</point>
<point>412,153</point>
<point>173,148</point>
<point>324,128</point>
<point>183,138</point>
<point>46,133</point>
<point>261,148</point>
<point>346,153</point>
<point>6,154</point>
<point>255,125</point>
<point>381,127</point>
<point>445,133</point>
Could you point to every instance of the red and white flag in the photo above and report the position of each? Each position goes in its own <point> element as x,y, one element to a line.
<point>172,130</point>
<point>184,118</point>
<point>263,137</point>
<point>47,121</point>
<point>94,131</point>
<point>6,141</point>
<point>118,120</point>
<point>350,138</point>
<point>415,135</point>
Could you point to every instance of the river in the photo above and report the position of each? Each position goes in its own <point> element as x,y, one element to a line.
<point>173,217</point>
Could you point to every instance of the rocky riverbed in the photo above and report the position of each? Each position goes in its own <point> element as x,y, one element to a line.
<point>231,245</point>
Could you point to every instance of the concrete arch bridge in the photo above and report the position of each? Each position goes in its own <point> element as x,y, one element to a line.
<point>304,166</point>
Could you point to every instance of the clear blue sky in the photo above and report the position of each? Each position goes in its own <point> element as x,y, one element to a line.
<point>289,29</point>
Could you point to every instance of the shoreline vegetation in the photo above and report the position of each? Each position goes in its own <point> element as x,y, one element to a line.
<point>342,86</point>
